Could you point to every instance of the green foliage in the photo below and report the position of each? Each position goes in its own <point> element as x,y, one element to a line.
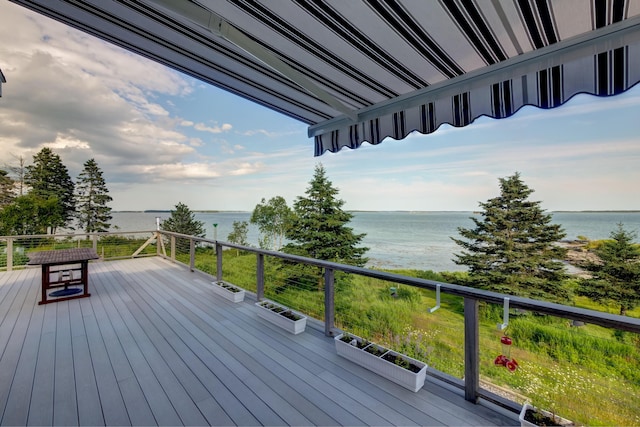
<point>19,258</point>
<point>511,249</point>
<point>183,221</point>
<point>564,344</point>
<point>92,197</point>
<point>49,178</point>
<point>616,278</point>
<point>6,189</point>
<point>239,233</point>
<point>319,229</point>
<point>273,218</point>
<point>30,214</point>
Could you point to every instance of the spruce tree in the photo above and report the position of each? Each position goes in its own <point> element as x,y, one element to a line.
<point>319,229</point>
<point>616,278</point>
<point>92,197</point>
<point>183,221</point>
<point>48,177</point>
<point>512,247</point>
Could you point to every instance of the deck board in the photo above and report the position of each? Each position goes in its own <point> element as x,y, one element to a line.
<point>154,346</point>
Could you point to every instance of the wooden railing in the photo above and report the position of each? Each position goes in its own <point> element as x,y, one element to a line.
<point>472,297</point>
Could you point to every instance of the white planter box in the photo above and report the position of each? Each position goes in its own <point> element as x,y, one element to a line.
<point>221,288</point>
<point>273,312</point>
<point>524,423</point>
<point>377,363</point>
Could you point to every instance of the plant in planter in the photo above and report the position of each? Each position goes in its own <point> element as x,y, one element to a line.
<point>531,416</point>
<point>282,316</point>
<point>228,291</point>
<point>399,368</point>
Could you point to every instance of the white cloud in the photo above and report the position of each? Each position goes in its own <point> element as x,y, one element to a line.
<point>85,99</point>
<point>268,133</point>
<point>226,127</point>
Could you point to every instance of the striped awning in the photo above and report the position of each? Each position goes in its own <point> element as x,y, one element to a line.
<point>363,70</point>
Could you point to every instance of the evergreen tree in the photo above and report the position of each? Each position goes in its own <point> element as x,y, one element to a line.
<point>616,278</point>
<point>512,247</point>
<point>183,221</point>
<point>273,217</point>
<point>319,229</point>
<point>6,189</point>
<point>92,197</point>
<point>48,177</point>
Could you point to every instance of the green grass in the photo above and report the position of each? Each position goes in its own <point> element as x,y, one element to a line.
<point>563,368</point>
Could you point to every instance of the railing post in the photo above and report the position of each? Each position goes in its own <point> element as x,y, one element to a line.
<point>158,244</point>
<point>218,261</point>
<point>192,254</point>
<point>9,254</point>
<point>471,350</point>
<point>329,301</point>
<point>260,277</point>
<point>173,248</point>
<point>95,242</point>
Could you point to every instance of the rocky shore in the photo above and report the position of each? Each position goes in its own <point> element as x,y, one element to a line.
<point>578,255</point>
<point>577,252</point>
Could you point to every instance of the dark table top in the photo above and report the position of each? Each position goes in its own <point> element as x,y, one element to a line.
<point>61,256</point>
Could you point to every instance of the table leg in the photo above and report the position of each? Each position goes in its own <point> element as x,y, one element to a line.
<point>85,277</point>
<point>45,284</point>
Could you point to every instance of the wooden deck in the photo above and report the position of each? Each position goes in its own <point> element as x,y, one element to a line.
<point>154,346</point>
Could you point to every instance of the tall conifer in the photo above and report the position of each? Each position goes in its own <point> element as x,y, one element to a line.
<point>616,277</point>
<point>512,247</point>
<point>92,197</point>
<point>48,177</point>
<point>319,230</point>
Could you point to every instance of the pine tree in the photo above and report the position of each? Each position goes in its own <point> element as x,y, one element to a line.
<point>92,197</point>
<point>319,229</point>
<point>512,248</point>
<point>48,177</point>
<point>616,278</point>
<point>183,221</point>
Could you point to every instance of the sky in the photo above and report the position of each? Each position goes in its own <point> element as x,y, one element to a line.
<point>161,137</point>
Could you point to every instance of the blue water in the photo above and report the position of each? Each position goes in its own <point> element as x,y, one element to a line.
<point>414,240</point>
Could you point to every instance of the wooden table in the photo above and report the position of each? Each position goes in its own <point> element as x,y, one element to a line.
<point>63,268</point>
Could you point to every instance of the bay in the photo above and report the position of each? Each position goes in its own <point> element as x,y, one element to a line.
<point>399,240</point>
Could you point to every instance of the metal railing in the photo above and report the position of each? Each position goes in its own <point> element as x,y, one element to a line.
<point>109,246</point>
<point>207,255</point>
<point>472,298</point>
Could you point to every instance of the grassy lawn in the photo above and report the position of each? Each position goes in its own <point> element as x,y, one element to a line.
<point>562,368</point>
